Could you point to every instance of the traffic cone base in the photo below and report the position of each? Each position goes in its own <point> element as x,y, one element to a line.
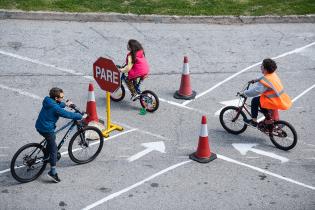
<point>177,95</point>
<point>203,160</point>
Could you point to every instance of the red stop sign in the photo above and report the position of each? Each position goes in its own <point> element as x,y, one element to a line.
<point>106,74</point>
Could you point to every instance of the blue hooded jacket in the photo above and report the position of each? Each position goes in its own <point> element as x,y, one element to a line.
<point>49,115</point>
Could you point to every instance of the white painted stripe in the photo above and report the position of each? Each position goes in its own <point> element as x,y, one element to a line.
<point>203,130</point>
<point>303,93</point>
<point>185,69</point>
<point>116,194</point>
<point>40,63</point>
<point>183,106</point>
<point>3,155</point>
<point>246,69</point>
<point>21,92</point>
<point>91,96</point>
<point>222,82</point>
<point>65,153</point>
<point>4,171</point>
<point>265,172</point>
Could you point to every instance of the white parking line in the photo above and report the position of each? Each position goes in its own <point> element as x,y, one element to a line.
<point>70,71</point>
<point>21,92</point>
<point>303,93</point>
<point>265,172</point>
<point>246,69</point>
<point>116,194</point>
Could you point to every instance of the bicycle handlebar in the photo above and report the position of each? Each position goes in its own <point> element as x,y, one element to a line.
<point>76,109</point>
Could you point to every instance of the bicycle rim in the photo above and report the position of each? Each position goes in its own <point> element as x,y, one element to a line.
<point>227,115</point>
<point>28,163</point>
<point>85,145</point>
<point>149,101</point>
<point>118,95</point>
<point>283,135</point>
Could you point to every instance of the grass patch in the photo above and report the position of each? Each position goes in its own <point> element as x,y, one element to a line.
<point>169,7</point>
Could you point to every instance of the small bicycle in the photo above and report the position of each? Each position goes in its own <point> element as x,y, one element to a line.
<point>281,133</point>
<point>148,99</point>
<point>30,161</point>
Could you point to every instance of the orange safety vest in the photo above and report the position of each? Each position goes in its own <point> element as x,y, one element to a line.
<point>274,97</point>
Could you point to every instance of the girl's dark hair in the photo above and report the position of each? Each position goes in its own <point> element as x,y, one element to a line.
<point>134,46</point>
<point>55,92</point>
<point>270,65</point>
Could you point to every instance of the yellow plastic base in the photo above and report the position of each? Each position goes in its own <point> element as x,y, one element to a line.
<point>111,128</point>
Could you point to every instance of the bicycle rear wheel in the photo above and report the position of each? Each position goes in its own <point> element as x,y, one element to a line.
<point>28,162</point>
<point>230,123</point>
<point>149,100</point>
<point>283,135</point>
<point>85,145</point>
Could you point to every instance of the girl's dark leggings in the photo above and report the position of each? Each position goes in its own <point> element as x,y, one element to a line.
<point>51,146</point>
<point>254,107</point>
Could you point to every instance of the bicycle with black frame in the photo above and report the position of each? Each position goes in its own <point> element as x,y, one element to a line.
<point>281,133</point>
<point>29,162</point>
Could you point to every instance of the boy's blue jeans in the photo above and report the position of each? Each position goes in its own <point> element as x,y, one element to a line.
<point>51,146</point>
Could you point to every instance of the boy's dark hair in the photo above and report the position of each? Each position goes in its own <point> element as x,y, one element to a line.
<point>270,65</point>
<point>55,92</point>
<point>134,46</point>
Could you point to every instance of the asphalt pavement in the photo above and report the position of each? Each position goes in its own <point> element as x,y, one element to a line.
<point>38,55</point>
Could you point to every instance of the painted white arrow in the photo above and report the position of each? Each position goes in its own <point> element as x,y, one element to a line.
<point>233,102</point>
<point>244,148</point>
<point>150,146</point>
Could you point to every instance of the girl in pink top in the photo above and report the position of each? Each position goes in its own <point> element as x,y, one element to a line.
<point>136,64</point>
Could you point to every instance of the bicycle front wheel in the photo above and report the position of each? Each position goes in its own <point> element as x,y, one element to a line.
<point>283,135</point>
<point>232,120</point>
<point>119,94</point>
<point>28,162</point>
<point>149,100</point>
<point>85,145</point>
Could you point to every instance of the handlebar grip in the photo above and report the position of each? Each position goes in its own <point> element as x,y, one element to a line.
<point>76,109</point>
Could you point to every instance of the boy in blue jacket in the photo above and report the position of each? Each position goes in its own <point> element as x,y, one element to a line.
<point>52,109</point>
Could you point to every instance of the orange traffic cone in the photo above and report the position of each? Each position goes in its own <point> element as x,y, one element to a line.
<point>91,106</point>
<point>185,91</point>
<point>203,153</point>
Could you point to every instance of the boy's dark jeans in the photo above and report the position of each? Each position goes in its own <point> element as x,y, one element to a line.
<point>254,107</point>
<point>51,146</point>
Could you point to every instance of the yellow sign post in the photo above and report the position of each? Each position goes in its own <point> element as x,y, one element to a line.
<point>110,127</point>
<point>107,77</point>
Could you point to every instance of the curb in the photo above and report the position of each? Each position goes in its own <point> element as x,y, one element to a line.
<point>118,17</point>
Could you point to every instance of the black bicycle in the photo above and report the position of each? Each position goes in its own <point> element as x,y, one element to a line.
<point>281,133</point>
<point>29,162</point>
<point>148,99</point>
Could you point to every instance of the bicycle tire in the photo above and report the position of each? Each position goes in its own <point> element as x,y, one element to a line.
<point>120,96</point>
<point>15,168</point>
<point>224,122</point>
<point>83,145</point>
<point>143,99</point>
<point>279,144</point>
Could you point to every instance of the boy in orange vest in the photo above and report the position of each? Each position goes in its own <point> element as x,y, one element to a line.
<point>270,89</point>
